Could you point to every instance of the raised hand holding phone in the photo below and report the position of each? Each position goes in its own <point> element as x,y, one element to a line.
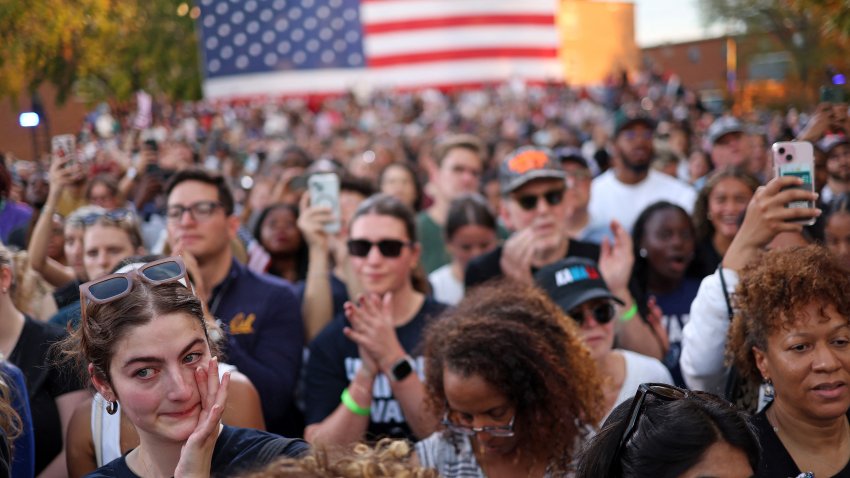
<point>797,159</point>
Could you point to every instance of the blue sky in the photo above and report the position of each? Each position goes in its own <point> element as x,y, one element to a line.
<point>660,21</point>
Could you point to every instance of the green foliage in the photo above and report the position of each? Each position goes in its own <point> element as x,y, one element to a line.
<point>98,49</point>
<point>812,31</point>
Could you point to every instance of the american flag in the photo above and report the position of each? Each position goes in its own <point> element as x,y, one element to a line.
<point>290,47</point>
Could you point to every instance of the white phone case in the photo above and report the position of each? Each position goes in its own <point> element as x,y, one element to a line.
<point>324,191</point>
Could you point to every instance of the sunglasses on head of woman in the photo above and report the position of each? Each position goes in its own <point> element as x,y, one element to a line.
<point>115,215</point>
<point>115,286</point>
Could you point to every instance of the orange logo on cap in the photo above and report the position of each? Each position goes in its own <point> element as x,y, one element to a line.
<point>527,161</point>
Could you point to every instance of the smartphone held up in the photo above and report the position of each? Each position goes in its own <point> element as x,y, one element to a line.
<point>796,158</point>
<point>324,191</point>
<point>64,148</point>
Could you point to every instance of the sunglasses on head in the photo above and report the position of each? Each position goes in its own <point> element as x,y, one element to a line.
<point>660,391</point>
<point>529,201</point>
<point>115,286</point>
<point>387,247</point>
<point>115,215</point>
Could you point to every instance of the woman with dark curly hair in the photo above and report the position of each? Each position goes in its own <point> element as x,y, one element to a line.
<point>516,388</point>
<point>718,212</point>
<point>791,330</point>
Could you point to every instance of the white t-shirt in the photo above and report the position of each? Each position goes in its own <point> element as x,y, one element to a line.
<point>639,369</point>
<point>447,289</point>
<point>611,199</point>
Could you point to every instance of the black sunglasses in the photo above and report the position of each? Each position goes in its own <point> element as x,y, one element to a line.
<point>661,391</point>
<point>388,247</point>
<point>602,313</point>
<point>529,201</point>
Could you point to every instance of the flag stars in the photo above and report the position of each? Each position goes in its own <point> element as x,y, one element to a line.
<point>214,65</point>
<point>239,39</point>
<point>223,30</point>
<point>268,37</point>
<point>250,6</point>
<point>270,59</point>
<point>281,25</point>
<point>323,12</point>
<point>221,8</point>
<point>226,53</point>
<point>279,4</point>
<point>255,49</point>
<point>294,13</point>
<point>284,47</point>
<point>237,18</point>
<point>266,15</point>
<point>252,27</point>
<point>241,62</point>
<point>211,43</point>
<point>209,20</point>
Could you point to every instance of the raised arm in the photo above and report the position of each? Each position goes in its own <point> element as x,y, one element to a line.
<point>52,271</point>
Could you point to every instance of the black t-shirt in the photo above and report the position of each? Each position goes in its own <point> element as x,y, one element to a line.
<point>775,460</point>
<point>45,382</point>
<point>334,360</point>
<point>487,266</point>
<point>236,450</point>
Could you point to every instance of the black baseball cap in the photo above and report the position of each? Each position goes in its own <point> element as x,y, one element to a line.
<point>573,281</point>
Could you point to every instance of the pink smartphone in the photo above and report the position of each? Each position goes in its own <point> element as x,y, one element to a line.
<point>796,158</point>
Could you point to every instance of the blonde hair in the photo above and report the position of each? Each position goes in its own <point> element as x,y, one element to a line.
<point>389,458</point>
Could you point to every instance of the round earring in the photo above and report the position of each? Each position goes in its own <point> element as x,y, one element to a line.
<point>767,387</point>
<point>643,252</point>
<point>111,407</point>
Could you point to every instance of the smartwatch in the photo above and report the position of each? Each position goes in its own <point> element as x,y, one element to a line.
<point>401,369</point>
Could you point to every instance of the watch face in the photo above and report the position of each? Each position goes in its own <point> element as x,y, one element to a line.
<point>401,369</point>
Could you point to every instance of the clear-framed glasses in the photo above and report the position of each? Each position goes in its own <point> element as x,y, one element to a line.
<point>200,211</point>
<point>501,431</point>
<point>115,286</point>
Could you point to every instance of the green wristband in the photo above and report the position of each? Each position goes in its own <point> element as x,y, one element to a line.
<point>629,314</point>
<point>351,405</point>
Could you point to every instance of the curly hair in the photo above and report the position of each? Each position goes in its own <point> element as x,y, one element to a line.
<point>516,339</point>
<point>388,459</point>
<point>703,227</point>
<point>773,290</point>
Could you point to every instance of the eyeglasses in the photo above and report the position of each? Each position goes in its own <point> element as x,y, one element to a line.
<point>388,247</point>
<point>199,211</point>
<point>602,313</point>
<point>661,391</point>
<point>501,431</point>
<point>115,215</point>
<point>115,286</point>
<point>529,201</point>
<point>631,134</point>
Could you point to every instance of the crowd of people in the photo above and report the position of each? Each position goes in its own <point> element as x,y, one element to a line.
<point>514,281</point>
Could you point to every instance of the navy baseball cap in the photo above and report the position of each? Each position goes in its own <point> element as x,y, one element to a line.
<point>573,281</point>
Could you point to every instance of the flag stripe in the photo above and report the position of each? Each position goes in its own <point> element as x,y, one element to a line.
<point>402,10</point>
<point>426,75</point>
<point>472,53</point>
<point>477,37</point>
<point>444,22</point>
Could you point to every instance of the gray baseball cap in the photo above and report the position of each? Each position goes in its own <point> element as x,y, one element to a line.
<point>526,164</point>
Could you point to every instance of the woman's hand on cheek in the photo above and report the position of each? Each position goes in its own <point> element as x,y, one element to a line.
<point>196,455</point>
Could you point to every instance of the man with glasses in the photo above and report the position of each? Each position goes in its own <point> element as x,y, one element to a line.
<point>625,190</point>
<point>261,313</point>
<point>533,191</point>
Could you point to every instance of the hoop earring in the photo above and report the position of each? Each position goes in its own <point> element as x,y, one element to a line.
<point>643,252</point>
<point>111,407</point>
